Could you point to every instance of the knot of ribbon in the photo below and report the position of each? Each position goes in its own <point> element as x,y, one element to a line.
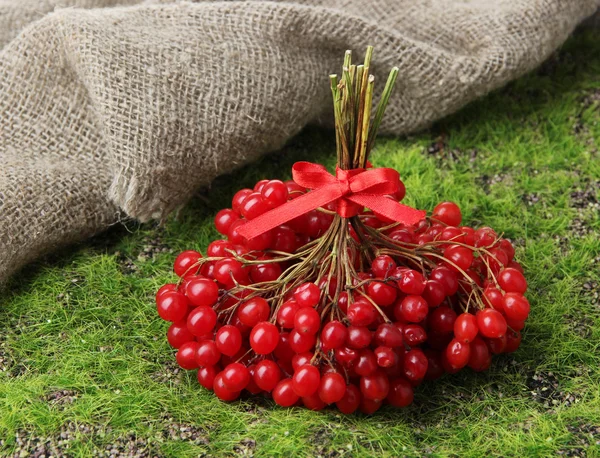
<point>351,190</point>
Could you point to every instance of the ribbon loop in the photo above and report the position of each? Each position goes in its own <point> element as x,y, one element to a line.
<point>351,190</point>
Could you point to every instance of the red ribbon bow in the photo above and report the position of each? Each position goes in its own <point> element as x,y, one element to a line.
<point>351,190</point>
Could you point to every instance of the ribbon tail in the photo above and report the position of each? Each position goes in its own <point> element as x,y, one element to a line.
<point>289,211</point>
<point>389,208</point>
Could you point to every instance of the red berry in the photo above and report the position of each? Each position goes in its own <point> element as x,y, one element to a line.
<point>284,394</point>
<point>236,377</point>
<point>366,363</point>
<point>434,293</point>
<point>172,306</point>
<point>465,327</point>
<point>458,353</point>
<point>388,335</point>
<point>494,298</point>
<point>401,393</point>
<point>201,320</point>
<point>307,295</point>
<point>413,309</point>
<point>207,353</point>
<point>459,257</point>
<point>186,355</point>
<point>274,193</point>
<point>414,335</point>
<point>435,368</point>
<point>306,380</point>
<point>307,321</point>
<point>382,266</point>
<point>368,406</point>
<point>264,338</point>
<point>386,357</point>
<point>300,359</point>
<point>383,294</point>
<point>332,388</point>
<point>178,334</point>
<point>228,271</point>
<point>224,219</point>
<point>447,277</point>
<point>238,198</point>
<point>375,386</point>
<point>415,364</point>
<point>287,313</point>
<point>448,213</point>
<point>185,261</point>
<point>267,375</point>
<point>358,337</point>
<point>301,343</point>
<point>513,340</point>
<point>221,391</point>
<point>346,356</point>
<point>412,282</point>
<point>261,273</point>
<point>480,358</point>
<point>202,291</point>
<point>228,340</point>
<point>361,313</point>
<point>333,335</point>
<point>253,205</point>
<point>165,288</point>
<point>491,323</point>
<point>206,376</point>
<point>497,345</point>
<point>512,281</point>
<point>350,401</point>
<point>516,306</point>
<point>254,311</point>
<point>441,320</point>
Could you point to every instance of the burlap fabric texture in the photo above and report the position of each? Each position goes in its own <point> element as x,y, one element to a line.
<point>111,108</point>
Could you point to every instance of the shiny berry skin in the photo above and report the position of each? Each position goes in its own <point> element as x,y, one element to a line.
<point>441,320</point>
<point>332,388</point>
<point>361,313</point>
<point>284,239</point>
<point>458,353</point>
<point>368,406</point>
<point>345,356</point>
<point>447,277</point>
<point>480,358</point>
<point>412,282</point>
<point>224,219</point>
<point>201,320</point>
<point>254,205</point>
<point>307,295</point>
<point>228,340</point>
<point>414,335</point>
<point>313,402</point>
<point>301,343</point>
<point>491,323</point>
<point>184,262</point>
<point>459,257</point>
<point>283,393</point>
<point>386,357</point>
<point>382,266</point>
<point>221,391</point>
<point>300,359</point>
<point>202,291</point>
<point>388,335</point>
<point>358,337</point>
<point>512,281</point>
<point>267,375</point>
<point>497,345</point>
<point>448,213</point>
<point>515,325</point>
<point>206,376</point>
<point>254,311</point>
<point>516,306</point>
<point>366,363</point>
<point>172,306</point>
<point>261,273</point>
<point>401,393</point>
<point>333,335</point>
<point>286,314</point>
<point>350,401</point>
<point>413,309</point>
<point>375,386</point>
<point>434,293</point>
<point>274,193</point>
<point>307,321</point>
<point>465,327</point>
<point>513,340</point>
<point>306,380</point>
<point>238,198</point>
<point>165,288</point>
<point>284,352</point>
<point>264,338</point>
<point>381,293</point>
<point>415,365</point>
<point>186,355</point>
<point>178,334</point>
<point>294,189</point>
<point>494,298</point>
<point>207,353</point>
<point>227,268</point>
<point>453,234</point>
<point>236,377</point>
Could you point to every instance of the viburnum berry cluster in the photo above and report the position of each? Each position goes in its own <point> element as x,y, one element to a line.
<point>342,304</point>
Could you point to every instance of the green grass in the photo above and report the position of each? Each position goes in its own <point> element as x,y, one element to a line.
<point>522,160</point>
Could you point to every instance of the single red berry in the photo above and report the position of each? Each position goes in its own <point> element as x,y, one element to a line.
<point>497,345</point>
<point>508,248</point>
<point>221,391</point>
<point>178,334</point>
<point>313,402</point>
<point>186,355</point>
<point>264,338</point>
<point>218,249</point>
<point>228,340</point>
<point>267,375</point>
<point>382,266</point>
<point>345,356</point>
<point>228,271</point>
<point>306,380</point>
<point>301,343</point>
<point>414,335</point>
<point>254,311</point>
<point>448,213</point>
<point>284,352</point>
<point>284,394</point>
<point>300,359</point>
<point>361,313</point>
<point>286,314</point>
<point>465,327</point>
<point>333,335</point>
<point>172,306</point>
<point>413,309</point>
<point>253,205</point>
<point>261,273</point>
<point>224,219</point>
<point>491,323</point>
<point>459,257</point>
<point>307,295</point>
<point>480,358</point>
<point>401,393</point>
<point>202,291</point>
<point>368,406</point>
<point>447,277</point>
<point>412,282</point>
<point>383,294</point>
<point>238,198</point>
<point>388,335</point>
<point>350,401</point>
<point>206,376</point>
<point>366,363</point>
<point>434,293</point>
<point>207,353</point>
<point>307,321</point>
<point>513,340</point>
<point>185,261</point>
<point>274,193</point>
<point>201,320</point>
<point>332,388</point>
<point>415,365</point>
<point>458,353</point>
<point>386,357</point>
<point>165,288</point>
<point>494,298</point>
<point>358,337</point>
<point>512,281</point>
<point>516,306</point>
<point>441,320</point>
<point>375,386</point>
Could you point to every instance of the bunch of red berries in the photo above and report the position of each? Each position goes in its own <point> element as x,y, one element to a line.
<point>314,299</point>
<point>436,298</point>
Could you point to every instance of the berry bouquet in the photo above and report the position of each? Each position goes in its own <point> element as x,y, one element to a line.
<point>328,290</point>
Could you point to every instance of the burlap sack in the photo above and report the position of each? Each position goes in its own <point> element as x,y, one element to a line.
<point>126,110</point>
